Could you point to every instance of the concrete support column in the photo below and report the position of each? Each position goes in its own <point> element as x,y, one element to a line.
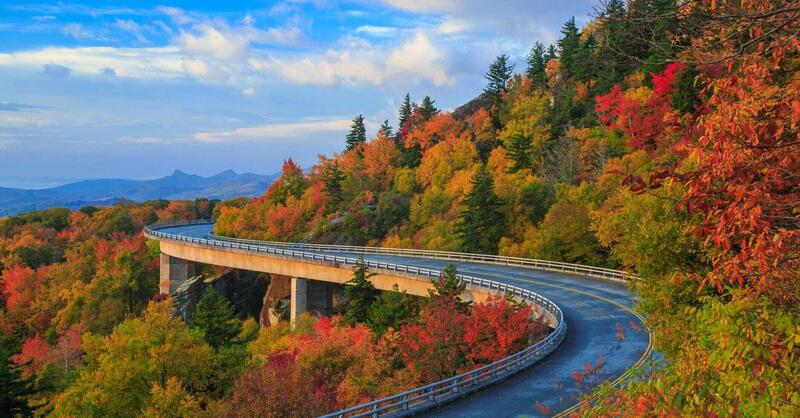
<point>299,302</point>
<point>311,296</point>
<point>174,271</point>
<point>320,297</point>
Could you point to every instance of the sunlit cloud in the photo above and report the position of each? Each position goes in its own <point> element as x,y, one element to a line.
<point>276,131</point>
<point>143,63</point>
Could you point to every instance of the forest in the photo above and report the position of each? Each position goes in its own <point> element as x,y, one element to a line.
<point>660,138</point>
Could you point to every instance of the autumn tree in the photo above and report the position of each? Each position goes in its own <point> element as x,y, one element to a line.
<point>498,328</point>
<point>432,346</point>
<point>123,367</point>
<point>481,224</point>
<point>292,182</point>
<point>298,397</point>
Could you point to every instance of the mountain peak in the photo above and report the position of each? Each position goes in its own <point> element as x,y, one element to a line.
<point>225,174</point>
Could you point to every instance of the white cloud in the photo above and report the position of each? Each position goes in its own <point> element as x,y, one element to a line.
<point>209,41</point>
<point>276,131</point>
<point>248,19</point>
<point>427,6</point>
<point>228,43</point>
<point>418,58</point>
<point>134,28</point>
<point>77,31</point>
<point>527,19</point>
<point>196,68</point>
<point>376,30</point>
<point>176,14</point>
<point>355,63</point>
<point>142,139</point>
<point>249,91</point>
<point>359,62</point>
<point>451,26</point>
<point>145,63</point>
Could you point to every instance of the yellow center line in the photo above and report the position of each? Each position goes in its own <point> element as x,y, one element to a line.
<point>630,370</point>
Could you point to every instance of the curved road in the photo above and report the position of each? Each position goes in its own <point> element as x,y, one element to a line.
<point>605,338</point>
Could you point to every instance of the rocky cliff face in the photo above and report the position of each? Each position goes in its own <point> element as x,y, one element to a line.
<point>276,301</point>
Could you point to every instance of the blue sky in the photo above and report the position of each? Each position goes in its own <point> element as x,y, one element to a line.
<point>91,90</point>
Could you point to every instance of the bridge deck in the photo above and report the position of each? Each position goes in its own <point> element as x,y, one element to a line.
<point>601,325</point>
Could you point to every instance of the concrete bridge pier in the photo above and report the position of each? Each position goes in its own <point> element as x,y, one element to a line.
<point>311,296</point>
<point>174,271</point>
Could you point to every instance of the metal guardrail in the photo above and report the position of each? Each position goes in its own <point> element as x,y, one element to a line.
<point>577,269</point>
<point>557,266</point>
<point>424,397</point>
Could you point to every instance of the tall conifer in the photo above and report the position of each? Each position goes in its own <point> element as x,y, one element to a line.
<point>481,224</point>
<point>358,133</point>
<point>536,66</point>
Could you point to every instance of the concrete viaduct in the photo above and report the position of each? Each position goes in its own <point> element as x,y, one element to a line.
<point>590,310</point>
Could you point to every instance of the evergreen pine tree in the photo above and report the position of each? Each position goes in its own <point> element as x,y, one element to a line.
<point>481,224</point>
<point>536,66</point>
<point>14,389</point>
<point>551,53</point>
<point>426,109</point>
<point>615,54</point>
<point>332,180</point>
<point>518,149</point>
<point>385,130</point>
<point>358,133</point>
<point>449,286</point>
<point>391,310</point>
<point>360,294</point>
<point>215,317</point>
<point>498,75</point>
<point>584,67</point>
<point>405,112</point>
<point>568,47</point>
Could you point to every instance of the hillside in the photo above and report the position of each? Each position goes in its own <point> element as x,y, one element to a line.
<point>177,186</point>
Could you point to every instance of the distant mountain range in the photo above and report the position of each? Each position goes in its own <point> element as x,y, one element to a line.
<point>178,186</point>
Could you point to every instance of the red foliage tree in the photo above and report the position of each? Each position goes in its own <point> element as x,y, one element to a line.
<point>742,174</point>
<point>434,346</point>
<point>278,389</point>
<point>642,122</point>
<point>34,354</point>
<point>20,286</point>
<point>497,328</point>
<point>291,183</point>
